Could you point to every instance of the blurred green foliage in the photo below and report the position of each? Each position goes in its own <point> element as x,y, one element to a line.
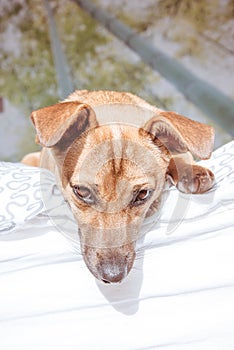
<point>28,77</point>
<point>27,72</point>
<point>203,14</point>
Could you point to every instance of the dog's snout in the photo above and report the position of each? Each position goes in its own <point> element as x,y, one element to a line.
<point>107,278</point>
<point>109,265</point>
<point>111,273</point>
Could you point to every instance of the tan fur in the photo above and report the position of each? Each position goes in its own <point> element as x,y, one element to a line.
<point>111,153</point>
<point>32,159</point>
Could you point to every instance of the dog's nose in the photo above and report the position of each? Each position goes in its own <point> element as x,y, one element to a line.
<point>110,273</point>
<point>110,265</point>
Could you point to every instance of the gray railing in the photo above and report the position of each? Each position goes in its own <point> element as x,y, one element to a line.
<point>65,84</point>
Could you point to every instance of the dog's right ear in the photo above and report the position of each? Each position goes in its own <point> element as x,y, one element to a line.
<point>59,125</point>
<point>180,134</point>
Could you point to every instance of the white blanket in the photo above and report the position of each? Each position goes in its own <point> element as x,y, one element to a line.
<point>179,295</point>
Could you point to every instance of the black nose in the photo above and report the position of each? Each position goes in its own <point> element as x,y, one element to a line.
<point>107,282</point>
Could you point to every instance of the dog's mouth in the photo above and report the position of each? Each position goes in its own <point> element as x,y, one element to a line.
<point>109,265</point>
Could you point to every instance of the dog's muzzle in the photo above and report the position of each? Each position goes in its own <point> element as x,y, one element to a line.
<point>109,265</point>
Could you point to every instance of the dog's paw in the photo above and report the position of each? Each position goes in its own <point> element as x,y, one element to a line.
<point>195,179</point>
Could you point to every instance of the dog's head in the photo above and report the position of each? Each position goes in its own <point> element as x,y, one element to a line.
<point>113,173</point>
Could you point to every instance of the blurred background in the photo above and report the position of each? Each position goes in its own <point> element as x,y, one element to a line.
<point>198,34</point>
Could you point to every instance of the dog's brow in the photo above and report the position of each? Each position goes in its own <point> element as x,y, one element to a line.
<point>141,185</point>
<point>147,180</point>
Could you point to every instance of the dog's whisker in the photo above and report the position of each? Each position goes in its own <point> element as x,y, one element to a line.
<point>143,248</point>
<point>137,268</point>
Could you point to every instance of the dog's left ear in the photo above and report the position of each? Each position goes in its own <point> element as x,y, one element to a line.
<point>59,125</point>
<point>180,134</point>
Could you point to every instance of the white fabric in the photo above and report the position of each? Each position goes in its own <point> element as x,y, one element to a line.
<point>179,295</point>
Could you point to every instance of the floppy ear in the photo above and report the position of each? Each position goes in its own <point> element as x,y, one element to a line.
<point>59,125</point>
<point>180,134</point>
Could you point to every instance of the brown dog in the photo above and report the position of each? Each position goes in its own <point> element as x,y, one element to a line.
<point>111,153</point>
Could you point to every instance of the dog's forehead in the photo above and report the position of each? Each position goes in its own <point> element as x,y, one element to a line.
<point>128,114</point>
<point>117,152</point>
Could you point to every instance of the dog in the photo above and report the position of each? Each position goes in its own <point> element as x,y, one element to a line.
<point>112,153</point>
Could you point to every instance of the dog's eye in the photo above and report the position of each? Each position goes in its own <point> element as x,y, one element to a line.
<point>84,194</point>
<point>141,197</point>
